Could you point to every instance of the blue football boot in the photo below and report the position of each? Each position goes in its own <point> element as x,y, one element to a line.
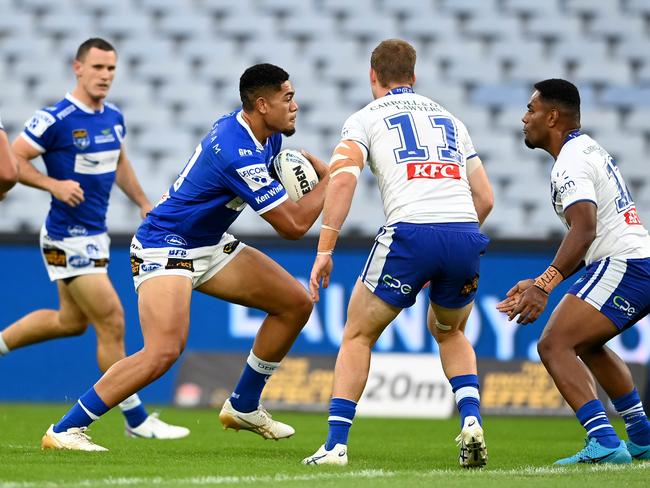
<point>642,453</point>
<point>594,453</point>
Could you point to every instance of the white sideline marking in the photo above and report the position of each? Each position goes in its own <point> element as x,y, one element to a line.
<point>367,473</point>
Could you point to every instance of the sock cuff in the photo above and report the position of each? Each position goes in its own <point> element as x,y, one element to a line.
<point>626,401</point>
<point>3,346</point>
<point>342,410</point>
<point>92,404</point>
<point>130,403</point>
<point>461,381</point>
<point>467,392</point>
<point>590,409</point>
<point>261,366</point>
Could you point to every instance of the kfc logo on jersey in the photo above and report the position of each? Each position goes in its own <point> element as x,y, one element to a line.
<point>256,176</point>
<point>432,171</point>
<point>632,217</point>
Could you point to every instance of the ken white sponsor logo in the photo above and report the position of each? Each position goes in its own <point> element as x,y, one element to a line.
<point>433,171</point>
<point>272,192</point>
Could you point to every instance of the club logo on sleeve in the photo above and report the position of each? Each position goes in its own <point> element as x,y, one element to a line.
<point>256,176</point>
<point>432,171</point>
<point>40,122</point>
<point>81,139</point>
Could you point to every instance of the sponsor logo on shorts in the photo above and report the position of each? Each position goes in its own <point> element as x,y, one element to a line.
<point>177,252</point>
<point>623,305</point>
<point>469,287</point>
<point>77,230</point>
<point>432,171</point>
<point>230,247</point>
<point>92,250</point>
<point>391,282</point>
<point>80,139</point>
<point>77,261</point>
<point>175,240</point>
<point>100,263</point>
<point>135,265</point>
<point>54,257</point>
<point>186,264</point>
<point>149,267</point>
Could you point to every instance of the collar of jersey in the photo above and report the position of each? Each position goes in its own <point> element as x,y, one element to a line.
<point>572,135</point>
<point>400,89</point>
<point>82,106</point>
<point>241,120</point>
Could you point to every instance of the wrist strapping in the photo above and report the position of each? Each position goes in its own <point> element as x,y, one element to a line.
<point>549,279</point>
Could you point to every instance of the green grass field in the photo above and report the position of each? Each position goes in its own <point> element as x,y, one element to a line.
<point>383,452</point>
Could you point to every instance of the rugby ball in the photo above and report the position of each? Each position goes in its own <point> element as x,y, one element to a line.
<point>295,172</point>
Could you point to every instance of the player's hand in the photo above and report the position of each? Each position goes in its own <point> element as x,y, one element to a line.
<point>321,270</point>
<point>145,209</point>
<point>532,303</point>
<point>513,296</point>
<point>68,191</point>
<point>322,170</point>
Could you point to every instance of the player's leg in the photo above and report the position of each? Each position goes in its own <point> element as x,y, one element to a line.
<point>574,326</point>
<point>447,325</point>
<point>368,316</point>
<point>252,279</point>
<point>43,325</point>
<point>616,379</point>
<point>164,306</point>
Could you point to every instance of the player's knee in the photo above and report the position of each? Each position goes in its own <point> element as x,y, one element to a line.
<point>110,326</point>
<point>72,326</point>
<point>162,359</point>
<point>300,306</point>
<point>545,347</point>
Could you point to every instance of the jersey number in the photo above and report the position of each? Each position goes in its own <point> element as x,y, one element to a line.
<point>411,149</point>
<point>181,177</point>
<point>624,200</point>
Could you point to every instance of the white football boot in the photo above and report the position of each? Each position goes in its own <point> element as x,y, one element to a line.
<point>258,421</point>
<point>337,456</point>
<point>74,439</point>
<point>473,453</point>
<point>154,428</point>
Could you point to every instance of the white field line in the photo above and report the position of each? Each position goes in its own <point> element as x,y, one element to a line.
<point>281,478</point>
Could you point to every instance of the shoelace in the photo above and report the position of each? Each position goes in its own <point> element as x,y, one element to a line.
<point>79,433</point>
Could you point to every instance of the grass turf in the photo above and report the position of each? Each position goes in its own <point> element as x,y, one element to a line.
<point>383,452</point>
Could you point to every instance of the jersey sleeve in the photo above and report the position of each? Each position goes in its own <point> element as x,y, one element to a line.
<point>354,130</point>
<point>573,183</point>
<point>465,142</point>
<point>249,179</point>
<point>40,131</point>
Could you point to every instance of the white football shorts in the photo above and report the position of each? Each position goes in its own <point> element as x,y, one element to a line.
<point>198,264</point>
<point>74,256</point>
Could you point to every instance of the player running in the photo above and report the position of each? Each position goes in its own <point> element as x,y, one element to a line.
<point>435,193</point>
<point>81,139</point>
<point>604,232</point>
<point>183,245</point>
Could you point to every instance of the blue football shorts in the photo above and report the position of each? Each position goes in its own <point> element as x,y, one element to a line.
<point>406,256</point>
<point>617,288</point>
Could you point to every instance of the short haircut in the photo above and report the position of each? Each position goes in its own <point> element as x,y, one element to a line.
<point>562,93</point>
<point>257,81</point>
<point>89,44</point>
<point>394,62</point>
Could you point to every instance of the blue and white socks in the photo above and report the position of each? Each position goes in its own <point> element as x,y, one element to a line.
<point>593,418</point>
<point>248,391</point>
<point>636,423</point>
<point>468,400</point>
<point>87,409</point>
<point>90,407</point>
<point>340,420</point>
<point>134,411</point>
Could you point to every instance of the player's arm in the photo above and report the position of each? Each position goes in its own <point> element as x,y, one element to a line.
<point>345,167</point>
<point>128,182</point>
<point>8,165</point>
<point>528,297</point>
<point>68,191</point>
<point>293,219</point>
<point>481,188</point>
